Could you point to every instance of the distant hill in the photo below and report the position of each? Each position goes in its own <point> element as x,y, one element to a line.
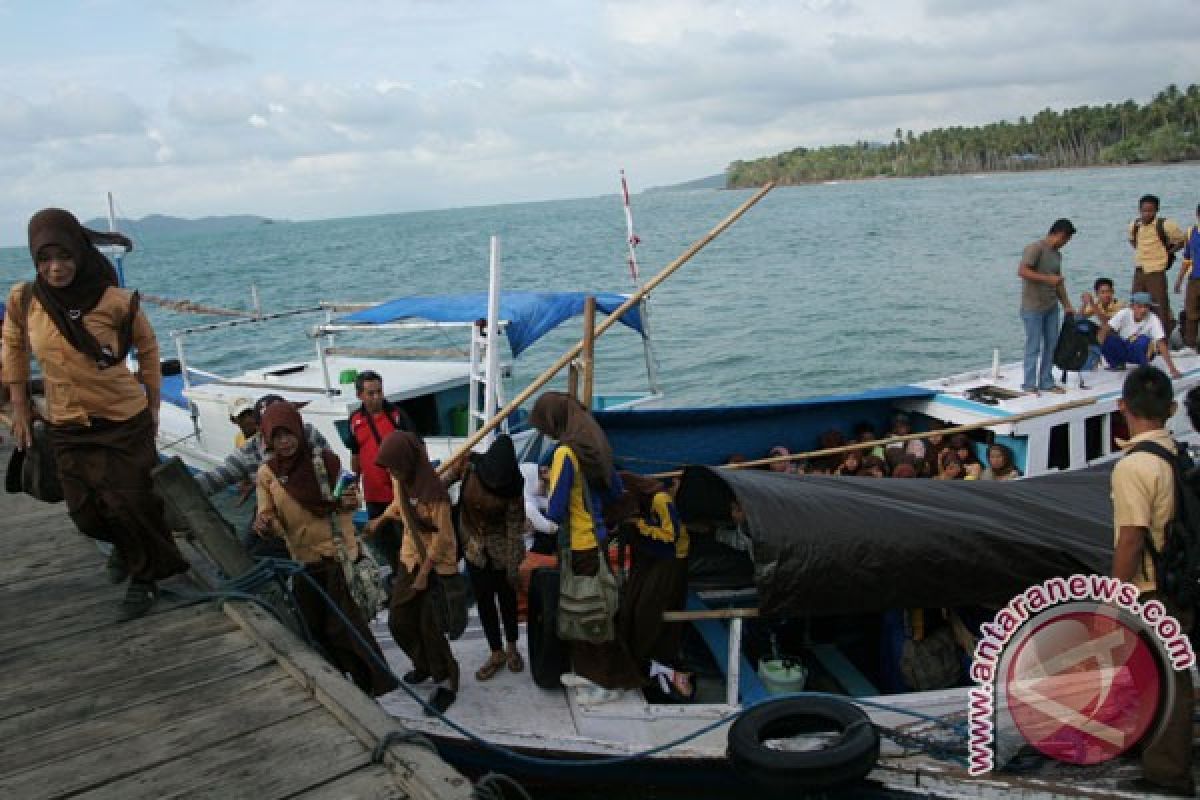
<point>160,224</point>
<point>711,182</point>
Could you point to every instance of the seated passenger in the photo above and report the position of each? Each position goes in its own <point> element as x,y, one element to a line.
<point>873,467</point>
<point>865,432</point>
<point>904,470</point>
<point>964,451</point>
<point>1000,465</point>
<point>901,426</point>
<point>1104,304</point>
<point>780,466</point>
<point>1134,334</point>
<point>949,467</point>
<point>916,454</point>
<point>851,463</point>
<point>829,440</point>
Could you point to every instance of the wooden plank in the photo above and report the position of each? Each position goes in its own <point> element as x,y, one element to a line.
<point>107,671</point>
<point>368,783</point>
<point>139,689</point>
<point>60,664</point>
<point>159,762</point>
<point>272,762</point>
<point>422,773</point>
<point>71,620</point>
<point>61,556</point>
<point>98,730</point>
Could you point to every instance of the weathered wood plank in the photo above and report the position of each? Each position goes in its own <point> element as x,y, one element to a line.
<point>421,772</point>
<point>157,759</point>
<point>139,689</point>
<point>368,783</point>
<point>85,575</point>
<point>22,753</point>
<point>108,671</point>
<point>272,762</point>
<point>49,560</point>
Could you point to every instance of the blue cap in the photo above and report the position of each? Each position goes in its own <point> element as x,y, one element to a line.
<point>1141,299</point>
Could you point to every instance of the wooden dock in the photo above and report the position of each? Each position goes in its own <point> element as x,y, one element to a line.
<point>190,701</point>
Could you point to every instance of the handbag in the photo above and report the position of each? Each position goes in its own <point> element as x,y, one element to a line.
<point>587,604</point>
<point>362,576</point>
<point>446,594</point>
<point>38,468</point>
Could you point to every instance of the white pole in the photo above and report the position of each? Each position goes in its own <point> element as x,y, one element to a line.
<point>118,253</point>
<point>631,240</point>
<point>733,669</point>
<point>256,301</point>
<point>492,368</point>
<point>996,364</point>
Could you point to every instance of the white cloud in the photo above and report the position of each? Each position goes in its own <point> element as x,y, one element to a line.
<point>195,55</point>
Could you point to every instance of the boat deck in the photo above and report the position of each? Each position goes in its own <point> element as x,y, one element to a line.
<point>187,701</point>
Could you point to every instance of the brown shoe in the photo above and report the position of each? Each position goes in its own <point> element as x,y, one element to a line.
<point>490,668</point>
<point>515,662</point>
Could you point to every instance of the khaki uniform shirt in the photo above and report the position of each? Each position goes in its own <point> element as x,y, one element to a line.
<point>440,544</point>
<point>1149,254</point>
<point>76,390</point>
<point>1143,495</point>
<point>309,536</point>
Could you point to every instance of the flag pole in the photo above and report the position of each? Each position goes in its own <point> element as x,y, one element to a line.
<point>632,241</point>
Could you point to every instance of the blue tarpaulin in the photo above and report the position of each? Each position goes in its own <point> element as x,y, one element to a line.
<point>530,315</point>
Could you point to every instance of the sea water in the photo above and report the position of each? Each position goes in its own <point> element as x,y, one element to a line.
<point>818,289</point>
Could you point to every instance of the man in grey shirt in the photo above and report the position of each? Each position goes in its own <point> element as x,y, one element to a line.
<point>1042,290</point>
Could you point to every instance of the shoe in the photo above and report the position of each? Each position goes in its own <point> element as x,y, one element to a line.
<point>415,676</point>
<point>441,699</point>
<point>1143,786</point>
<point>115,568</point>
<point>490,668</point>
<point>515,662</point>
<point>139,598</point>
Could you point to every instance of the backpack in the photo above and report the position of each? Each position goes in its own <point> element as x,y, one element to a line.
<point>1162,237</point>
<point>1177,565</point>
<point>1075,340</point>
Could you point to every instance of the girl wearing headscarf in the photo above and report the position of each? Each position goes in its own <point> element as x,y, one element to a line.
<point>411,618</point>
<point>102,417</point>
<point>492,522</point>
<point>1000,464</point>
<point>583,462</point>
<point>660,545</point>
<point>296,502</point>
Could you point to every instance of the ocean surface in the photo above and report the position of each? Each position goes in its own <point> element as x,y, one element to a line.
<point>821,288</point>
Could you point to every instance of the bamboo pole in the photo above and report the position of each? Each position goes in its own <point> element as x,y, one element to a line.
<point>633,300</point>
<point>588,358</point>
<point>905,437</point>
<point>573,378</point>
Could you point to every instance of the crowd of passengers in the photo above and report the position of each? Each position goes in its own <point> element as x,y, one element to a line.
<point>936,456</point>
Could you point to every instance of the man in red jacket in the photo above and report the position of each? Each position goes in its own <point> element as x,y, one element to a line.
<point>369,426</point>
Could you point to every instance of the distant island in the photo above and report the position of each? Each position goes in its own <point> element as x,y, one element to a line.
<point>1167,129</point>
<point>162,225</point>
<point>711,182</point>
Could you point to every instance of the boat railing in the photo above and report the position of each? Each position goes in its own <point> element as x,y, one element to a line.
<point>733,660</point>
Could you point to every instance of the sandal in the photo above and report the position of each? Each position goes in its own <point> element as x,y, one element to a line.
<point>515,662</point>
<point>490,668</point>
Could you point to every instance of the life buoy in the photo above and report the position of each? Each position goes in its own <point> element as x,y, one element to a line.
<point>547,653</point>
<point>846,760</point>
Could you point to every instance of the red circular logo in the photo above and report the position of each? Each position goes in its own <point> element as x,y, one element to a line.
<point>1082,687</point>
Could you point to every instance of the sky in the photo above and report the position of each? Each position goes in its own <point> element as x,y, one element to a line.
<point>304,110</point>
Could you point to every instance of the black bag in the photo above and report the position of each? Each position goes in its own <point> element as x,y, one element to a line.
<point>39,471</point>
<point>1177,565</point>
<point>448,594</point>
<point>1075,340</point>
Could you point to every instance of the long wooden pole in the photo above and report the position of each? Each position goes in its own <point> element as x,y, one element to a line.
<point>589,351</point>
<point>904,437</point>
<point>630,302</point>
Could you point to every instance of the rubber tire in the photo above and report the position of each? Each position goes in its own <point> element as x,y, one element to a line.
<point>547,653</point>
<point>846,761</point>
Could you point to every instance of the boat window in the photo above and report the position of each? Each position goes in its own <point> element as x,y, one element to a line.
<point>1094,437</point>
<point>1117,429</point>
<point>424,413</point>
<point>1059,456</point>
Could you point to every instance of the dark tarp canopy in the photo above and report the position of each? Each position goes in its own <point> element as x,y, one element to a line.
<point>832,545</point>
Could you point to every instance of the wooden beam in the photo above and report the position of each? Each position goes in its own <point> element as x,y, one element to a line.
<point>588,357</point>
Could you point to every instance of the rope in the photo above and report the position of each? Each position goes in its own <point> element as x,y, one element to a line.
<point>492,785</point>
<point>189,307</point>
<point>400,735</point>
<point>270,569</point>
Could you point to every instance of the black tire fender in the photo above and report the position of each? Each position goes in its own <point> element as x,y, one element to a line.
<point>547,653</point>
<point>848,759</point>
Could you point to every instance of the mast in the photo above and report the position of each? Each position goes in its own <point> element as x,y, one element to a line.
<point>118,252</point>
<point>633,241</point>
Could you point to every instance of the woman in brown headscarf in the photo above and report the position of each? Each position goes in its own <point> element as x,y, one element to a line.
<point>582,463</point>
<point>411,617</point>
<point>295,501</point>
<point>492,522</point>
<point>102,417</point>
<point>660,545</point>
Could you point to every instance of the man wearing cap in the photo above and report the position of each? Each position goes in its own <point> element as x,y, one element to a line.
<point>1042,291</point>
<point>1155,241</point>
<point>1133,335</point>
<point>241,414</point>
<point>1191,300</point>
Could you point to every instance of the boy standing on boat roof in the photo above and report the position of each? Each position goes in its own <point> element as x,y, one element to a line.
<point>1042,291</point>
<point>1134,334</point>
<point>1143,493</point>
<point>1191,300</point>
<point>1155,241</point>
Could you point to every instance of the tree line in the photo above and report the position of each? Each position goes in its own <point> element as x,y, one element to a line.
<point>1165,129</point>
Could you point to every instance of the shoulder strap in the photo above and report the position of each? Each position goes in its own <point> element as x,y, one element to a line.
<point>389,412</point>
<point>1173,459</point>
<point>1133,234</point>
